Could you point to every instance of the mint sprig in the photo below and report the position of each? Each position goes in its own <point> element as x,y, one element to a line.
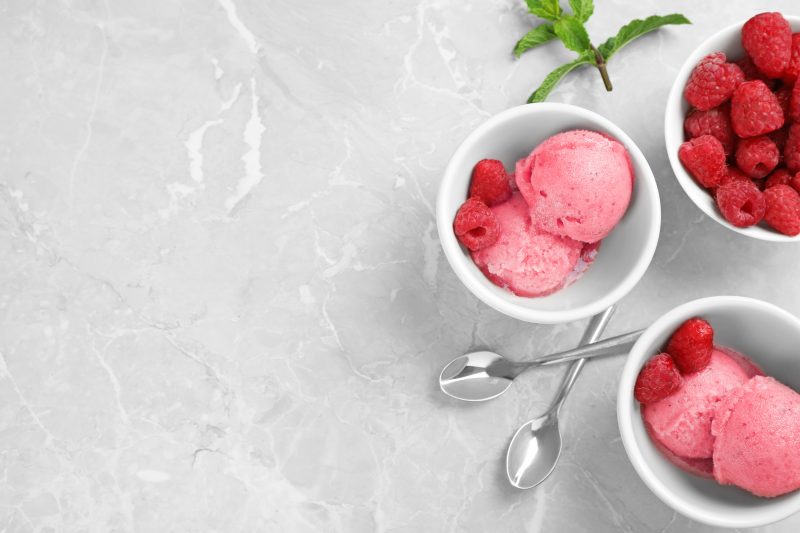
<point>570,30</point>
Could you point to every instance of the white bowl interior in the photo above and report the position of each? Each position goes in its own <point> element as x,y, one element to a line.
<point>624,255</point>
<point>729,41</point>
<point>770,336</point>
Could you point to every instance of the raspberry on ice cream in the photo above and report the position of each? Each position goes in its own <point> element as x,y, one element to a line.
<point>691,345</point>
<point>657,379</point>
<point>756,431</point>
<point>578,184</point>
<point>475,225</point>
<point>489,182</point>
<point>681,422</point>
<point>526,260</point>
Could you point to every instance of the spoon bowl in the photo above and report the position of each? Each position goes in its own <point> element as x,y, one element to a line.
<point>537,451</point>
<point>476,376</point>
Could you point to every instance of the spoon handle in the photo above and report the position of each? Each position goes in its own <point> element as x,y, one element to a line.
<point>593,331</point>
<point>612,346</point>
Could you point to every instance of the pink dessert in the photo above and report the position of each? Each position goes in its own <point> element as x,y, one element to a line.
<point>699,467</point>
<point>578,184</point>
<point>539,230</point>
<point>526,260</point>
<point>757,438</point>
<point>711,412</point>
<point>681,422</point>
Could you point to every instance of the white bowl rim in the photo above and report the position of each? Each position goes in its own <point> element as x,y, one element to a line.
<point>625,401</point>
<point>672,109</point>
<point>458,260</point>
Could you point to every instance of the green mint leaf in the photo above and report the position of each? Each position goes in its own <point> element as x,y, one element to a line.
<point>538,35</point>
<point>582,9</point>
<point>637,28</point>
<point>546,9</point>
<point>552,79</point>
<point>572,33</point>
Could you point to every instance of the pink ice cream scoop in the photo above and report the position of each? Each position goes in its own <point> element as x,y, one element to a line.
<point>578,184</point>
<point>526,260</point>
<point>681,422</point>
<point>757,438</point>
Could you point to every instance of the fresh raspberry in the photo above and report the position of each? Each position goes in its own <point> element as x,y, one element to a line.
<point>490,182</point>
<point>784,96</point>
<point>757,156</point>
<point>791,151</point>
<point>704,158</point>
<point>793,70</point>
<point>658,378</point>
<point>755,110</point>
<point>794,103</point>
<point>741,203</point>
<point>767,39</point>
<point>715,122</point>
<point>475,225</point>
<point>712,82</point>
<point>691,345</point>
<point>783,209</point>
<point>779,176</point>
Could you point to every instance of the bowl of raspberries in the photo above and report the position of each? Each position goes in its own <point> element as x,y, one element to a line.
<point>732,127</point>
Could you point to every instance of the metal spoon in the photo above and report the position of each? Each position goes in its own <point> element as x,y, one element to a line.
<point>536,446</point>
<point>480,376</point>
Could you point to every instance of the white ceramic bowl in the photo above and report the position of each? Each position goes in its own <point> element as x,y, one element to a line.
<point>624,255</point>
<point>729,41</point>
<point>771,337</point>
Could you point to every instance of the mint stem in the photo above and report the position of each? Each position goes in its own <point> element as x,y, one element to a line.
<point>601,66</point>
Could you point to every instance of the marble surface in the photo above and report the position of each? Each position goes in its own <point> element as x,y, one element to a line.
<point>224,305</point>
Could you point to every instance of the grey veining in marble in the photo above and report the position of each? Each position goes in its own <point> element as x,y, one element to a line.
<point>223,302</point>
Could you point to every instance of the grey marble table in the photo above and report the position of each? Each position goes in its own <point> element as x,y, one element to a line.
<point>224,304</point>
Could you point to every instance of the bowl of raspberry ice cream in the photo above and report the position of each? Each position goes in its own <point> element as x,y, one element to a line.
<point>732,127</point>
<point>709,411</point>
<point>548,213</point>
